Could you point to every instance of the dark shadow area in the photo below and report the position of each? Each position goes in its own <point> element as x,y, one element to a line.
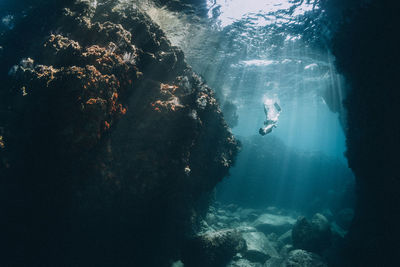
<point>367,54</point>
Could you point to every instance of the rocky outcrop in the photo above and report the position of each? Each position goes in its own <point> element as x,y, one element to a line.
<point>214,249</point>
<point>109,137</point>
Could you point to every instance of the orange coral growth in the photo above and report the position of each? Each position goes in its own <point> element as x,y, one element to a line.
<point>106,125</point>
<point>167,87</point>
<point>114,96</point>
<point>92,101</point>
<point>122,110</point>
<point>156,105</point>
<point>2,145</point>
<point>172,104</point>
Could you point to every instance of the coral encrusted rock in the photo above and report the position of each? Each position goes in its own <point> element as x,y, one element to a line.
<point>108,140</point>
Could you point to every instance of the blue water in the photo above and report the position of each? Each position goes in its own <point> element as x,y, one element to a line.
<point>302,127</point>
<point>264,50</point>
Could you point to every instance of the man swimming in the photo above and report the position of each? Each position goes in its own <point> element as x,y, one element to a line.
<point>271,118</point>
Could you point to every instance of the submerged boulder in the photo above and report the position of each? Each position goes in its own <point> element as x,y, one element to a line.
<point>286,238</point>
<point>259,248</point>
<point>314,236</point>
<point>302,258</point>
<point>271,223</point>
<point>214,249</point>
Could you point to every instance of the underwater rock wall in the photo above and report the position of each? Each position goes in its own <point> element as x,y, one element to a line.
<point>368,56</point>
<point>108,140</point>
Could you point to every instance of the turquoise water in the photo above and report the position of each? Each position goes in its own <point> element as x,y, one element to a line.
<point>310,128</point>
<point>268,51</point>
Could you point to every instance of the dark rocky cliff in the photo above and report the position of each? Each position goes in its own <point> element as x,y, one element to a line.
<point>108,140</point>
<point>367,54</point>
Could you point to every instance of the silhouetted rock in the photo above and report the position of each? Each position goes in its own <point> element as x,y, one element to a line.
<point>368,58</point>
<point>302,258</point>
<point>314,236</point>
<point>214,249</point>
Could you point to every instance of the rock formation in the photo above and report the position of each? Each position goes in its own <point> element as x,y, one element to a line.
<point>108,140</point>
<point>302,258</point>
<point>314,236</point>
<point>368,57</point>
<point>214,249</point>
